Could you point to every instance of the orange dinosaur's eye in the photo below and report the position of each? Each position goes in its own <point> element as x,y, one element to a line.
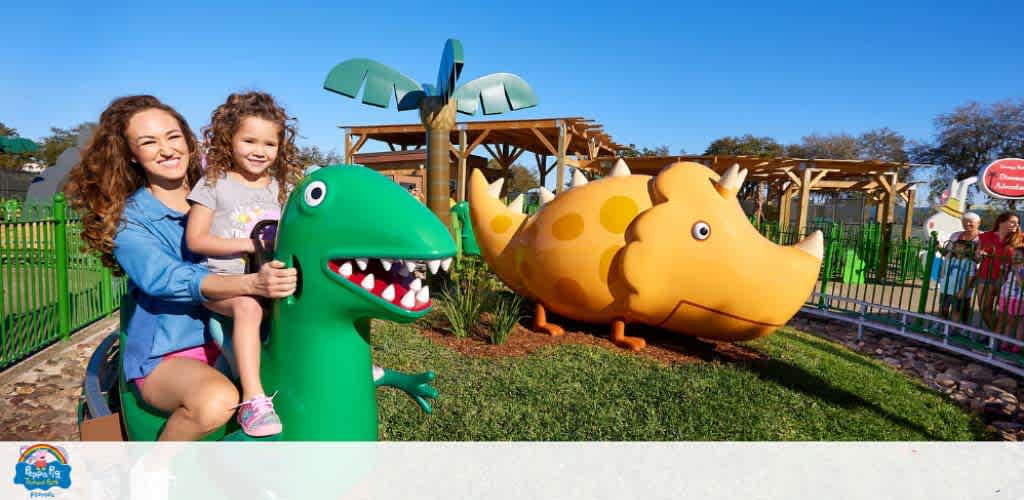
<point>701,230</point>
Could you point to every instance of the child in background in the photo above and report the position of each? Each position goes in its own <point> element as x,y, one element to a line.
<point>954,280</point>
<point>1011,304</point>
<point>251,166</point>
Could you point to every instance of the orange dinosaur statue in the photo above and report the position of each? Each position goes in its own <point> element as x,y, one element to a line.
<point>674,251</point>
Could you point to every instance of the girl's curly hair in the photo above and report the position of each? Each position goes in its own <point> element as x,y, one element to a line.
<point>100,184</point>
<point>224,123</point>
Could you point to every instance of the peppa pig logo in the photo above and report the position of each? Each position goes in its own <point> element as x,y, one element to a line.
<point>41,467</point>
<point>1004,178</point>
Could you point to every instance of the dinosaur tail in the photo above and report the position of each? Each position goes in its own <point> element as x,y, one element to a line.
<point>495,225</point>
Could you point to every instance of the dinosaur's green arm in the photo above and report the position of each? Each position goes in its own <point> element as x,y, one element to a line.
<point>416,385</point>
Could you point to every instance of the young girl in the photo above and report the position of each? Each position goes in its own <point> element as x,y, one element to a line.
<point>251,163</point>
<point>1011,303</point>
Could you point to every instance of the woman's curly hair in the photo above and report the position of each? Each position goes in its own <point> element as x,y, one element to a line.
<point>100,184</point>
<point>224,123</point>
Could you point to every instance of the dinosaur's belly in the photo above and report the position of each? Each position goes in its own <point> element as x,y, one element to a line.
<point>566,254</point>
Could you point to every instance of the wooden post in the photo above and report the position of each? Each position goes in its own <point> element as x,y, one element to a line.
<point>563,144</point>
<point>348,146</point>
<point>805,198</point>
<point>908,212</point>
<point>460,183</point>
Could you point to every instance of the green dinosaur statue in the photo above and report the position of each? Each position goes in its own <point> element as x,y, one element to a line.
<point>355,238</point>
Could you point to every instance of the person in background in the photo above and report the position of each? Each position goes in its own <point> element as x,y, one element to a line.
<point>971,222</point>
<point>995,249</point>
<point>956,273</point>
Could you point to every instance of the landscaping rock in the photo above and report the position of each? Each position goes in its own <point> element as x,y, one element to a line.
<point>945,380</point>
<point>1005,383</point>
<point>893,362</point>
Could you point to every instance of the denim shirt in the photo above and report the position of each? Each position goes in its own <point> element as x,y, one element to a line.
<point>164,281</point>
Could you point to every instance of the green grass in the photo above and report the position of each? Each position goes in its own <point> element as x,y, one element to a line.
<point>806,388</point>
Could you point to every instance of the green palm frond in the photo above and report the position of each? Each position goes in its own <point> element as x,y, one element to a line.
<point>381,82</point>
<point>499,93</point>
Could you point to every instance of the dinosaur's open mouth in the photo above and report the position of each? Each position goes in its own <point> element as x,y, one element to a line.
<point>391,280</point>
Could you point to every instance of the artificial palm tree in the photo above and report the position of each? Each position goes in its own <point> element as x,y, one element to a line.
<point>497,93</point>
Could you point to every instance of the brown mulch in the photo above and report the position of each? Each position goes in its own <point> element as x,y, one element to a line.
<point>662,345</point>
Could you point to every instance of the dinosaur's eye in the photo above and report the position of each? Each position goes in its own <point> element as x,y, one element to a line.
<point>315,193</point>
<point>701,230</point>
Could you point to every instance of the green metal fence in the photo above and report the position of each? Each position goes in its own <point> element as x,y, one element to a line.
<point>868,273</point>
<point>50,288</point>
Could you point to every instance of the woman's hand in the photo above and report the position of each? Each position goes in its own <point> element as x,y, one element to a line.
<point>274,280</point>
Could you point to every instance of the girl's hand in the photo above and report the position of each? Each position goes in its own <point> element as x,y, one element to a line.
<point>274,281</point>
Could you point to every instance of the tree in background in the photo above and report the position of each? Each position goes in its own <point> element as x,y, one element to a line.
<point>10,161</point>
<point>883,144</point>
<point>520,179</point>
<point>840,146</point>
<point>631,151</point>
<point>312,155</point>
<point>969,138</point>
<point>59,140</point>
<point>747,145</point>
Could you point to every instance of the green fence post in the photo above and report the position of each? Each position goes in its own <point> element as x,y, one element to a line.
<point>61,252</point>
<point>107,291</point>
<point>929,261</point>
<point>826,265</point>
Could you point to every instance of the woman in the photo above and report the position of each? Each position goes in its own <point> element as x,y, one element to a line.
<point>996,250</point>
<point>131,187</point>
<point>971,222</point>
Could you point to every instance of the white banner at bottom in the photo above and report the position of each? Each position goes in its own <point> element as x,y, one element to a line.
<point>406,471</point>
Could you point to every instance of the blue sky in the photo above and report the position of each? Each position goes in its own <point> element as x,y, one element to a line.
<point>653,74</point>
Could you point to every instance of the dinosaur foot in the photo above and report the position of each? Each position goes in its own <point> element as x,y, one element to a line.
<point>620,339</point>
<point>540,323</point>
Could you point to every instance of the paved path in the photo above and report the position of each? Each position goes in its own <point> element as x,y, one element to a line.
<point>39,396</point>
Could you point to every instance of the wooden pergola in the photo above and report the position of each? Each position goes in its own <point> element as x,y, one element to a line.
<point>554,142</point>
<point>789,177</point>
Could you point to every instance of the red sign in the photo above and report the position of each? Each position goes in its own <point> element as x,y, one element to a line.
<point>1004,178</point>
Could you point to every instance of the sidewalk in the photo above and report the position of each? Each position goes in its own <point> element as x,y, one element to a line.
<point>39,396</point>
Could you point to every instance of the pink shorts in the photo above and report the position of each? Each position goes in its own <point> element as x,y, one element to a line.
<point>206,353</point>
<point>1012,306</point>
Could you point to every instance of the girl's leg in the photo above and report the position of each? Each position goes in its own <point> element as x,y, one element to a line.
<point>988,313</point>
<point>199,398</point>
<point>246,314</point>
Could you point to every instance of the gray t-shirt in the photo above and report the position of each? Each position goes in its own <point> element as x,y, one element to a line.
<point>236,209</point>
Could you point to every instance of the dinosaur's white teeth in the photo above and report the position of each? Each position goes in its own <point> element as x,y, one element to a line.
<point>434,265</point>
<point>362,264</point>
<point>545,195</point>
<point>416,285</point>
<point>408,300</point>
<point>346,269</point>
<point>494,188</point>
<point>386,263</point>
<point>446,263</point>
<point>367,282</point>
<point>389,293</point>
<point>423,295</point>
<point>410,265</point>
<point>620,169</point>
<point>517,204</point>
<point>577,179</point>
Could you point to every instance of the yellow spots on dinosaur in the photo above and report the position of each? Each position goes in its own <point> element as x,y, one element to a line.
<point>568,290</point>
<point>501,223</point>
<point>606,261</point>
<point>568,227</point>
<point>617,212</point>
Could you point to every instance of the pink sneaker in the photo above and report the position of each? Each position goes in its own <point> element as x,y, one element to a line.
<point>257,417</point>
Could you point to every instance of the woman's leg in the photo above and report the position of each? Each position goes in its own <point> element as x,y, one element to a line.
<point>199,398</point>
<point>246,314</point>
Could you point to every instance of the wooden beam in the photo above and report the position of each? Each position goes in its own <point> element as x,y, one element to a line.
<point>805,198</point>
<point>348,147</point>
<point>476,142</point>
<point>544,141</point>
<point>908,213</point>
<point>359,144</point>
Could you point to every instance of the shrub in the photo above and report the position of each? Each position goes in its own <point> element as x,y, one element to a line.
<point>463,296</point>
<point>506,316</point>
